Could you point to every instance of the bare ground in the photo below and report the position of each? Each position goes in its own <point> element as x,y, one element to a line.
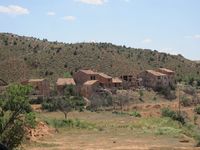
<point>111,138</point>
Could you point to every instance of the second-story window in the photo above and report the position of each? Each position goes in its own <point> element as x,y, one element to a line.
<point>92,78</point>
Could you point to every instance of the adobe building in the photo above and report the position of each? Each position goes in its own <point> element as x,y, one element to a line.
<point>104,80</point>
<point>169,73</point>
<point>129,81</point>
<point>41,86</point>
<point>117,83</point>
<point>62,83</point>
<point>89,88</point>
<point>154,79</point>
<point>82,76</point>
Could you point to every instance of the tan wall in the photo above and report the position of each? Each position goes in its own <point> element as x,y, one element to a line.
<point>104,81</point>
<point>150,80</point>
<point>117,85</point>
<point>171,76</point>
<point>88,90</point>
<point>81,77</point>
<point>41,87</point>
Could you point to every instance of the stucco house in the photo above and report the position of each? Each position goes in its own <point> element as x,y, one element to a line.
<point>41,86</point>
<point>117,83</point>
<point>62,83</point>
<point>154,79</point>
<point>82,76</point>
<point>89,87</point>
<point>169,73</point>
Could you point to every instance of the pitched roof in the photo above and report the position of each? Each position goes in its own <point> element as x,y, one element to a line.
<point>166,70</point>
<point>90,82</point>
<point>116,80</point>
<point>65,81</point>
<point>104,75</point>
<point>155,73</point>
<point>88,72</point>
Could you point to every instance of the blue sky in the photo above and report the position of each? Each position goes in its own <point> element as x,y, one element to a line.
<point>171,26</point>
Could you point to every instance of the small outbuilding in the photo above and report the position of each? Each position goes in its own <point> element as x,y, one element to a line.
<point>41,86</point>
<point>89,87</point>
<point>62,83</point>
<point>117,82</point>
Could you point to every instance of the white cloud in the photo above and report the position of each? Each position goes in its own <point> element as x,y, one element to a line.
<point>147,41</point>
<point>197,36</point>
<point>14,10</point>
<point>51,13</point>
<point>93,2</point>
<point>69,18</point>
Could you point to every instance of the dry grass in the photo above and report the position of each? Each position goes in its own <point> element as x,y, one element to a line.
<point>113,132</point>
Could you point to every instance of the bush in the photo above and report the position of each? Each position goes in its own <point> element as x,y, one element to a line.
<point>50,105</point>
<point>166,112</point>
<point>185,101</point>
<point>135,114</point>
<point>167,92</point>
<point>15,115</point>
<point>31,120</point>
<point>189,90</point>
<point>37,100</point>
<point>197,109</point>
<point>70,124</point>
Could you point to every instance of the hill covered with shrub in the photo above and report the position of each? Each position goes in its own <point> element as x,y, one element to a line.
<point>27,57</point>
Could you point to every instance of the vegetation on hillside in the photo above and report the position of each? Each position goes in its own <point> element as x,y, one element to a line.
<point>25,57</point>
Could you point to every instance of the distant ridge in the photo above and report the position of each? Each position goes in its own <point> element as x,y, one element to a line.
<point>26,57</point>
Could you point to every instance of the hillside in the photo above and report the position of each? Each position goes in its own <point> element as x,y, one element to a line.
<point>26,57</point>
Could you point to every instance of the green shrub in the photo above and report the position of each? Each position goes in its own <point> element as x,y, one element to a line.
<point>189,90</point>
<point>167,92</point>
<point>185,101</point>
<point>31,119</point>
<point>197,109</point>
<point>50,105</point>
<point>166,112</point>
<point>167,131</point>
<point>135,114</point>
<point>69,123</point>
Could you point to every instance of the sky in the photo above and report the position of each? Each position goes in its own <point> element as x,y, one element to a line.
<point>171,26</point>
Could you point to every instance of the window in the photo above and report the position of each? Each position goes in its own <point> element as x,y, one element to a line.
<point>92,77</point>
<point>159,78</point>
<point>125,78</point>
